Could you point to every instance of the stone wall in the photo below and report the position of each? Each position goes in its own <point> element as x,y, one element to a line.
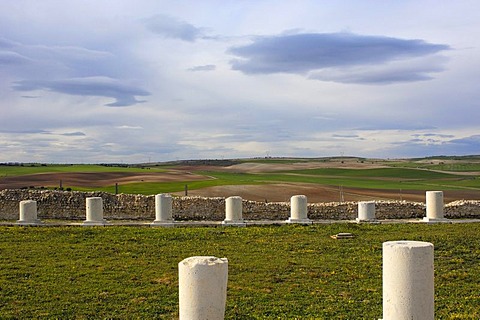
<point>71,206</point>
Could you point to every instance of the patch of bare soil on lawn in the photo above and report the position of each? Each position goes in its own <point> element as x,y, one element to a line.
<point>100,179</point>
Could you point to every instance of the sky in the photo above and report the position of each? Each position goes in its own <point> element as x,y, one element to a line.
<point>142,81</point>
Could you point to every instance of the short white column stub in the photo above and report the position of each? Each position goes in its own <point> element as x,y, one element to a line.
<point>366,212</point>
<point>202,282</point>
<point>163,211</point>
<point>233,212</point>
<point>94,212</point>
<point>408,280</point>
<point>28,213</point>
<point>434,207</point>
<point>299,210</point>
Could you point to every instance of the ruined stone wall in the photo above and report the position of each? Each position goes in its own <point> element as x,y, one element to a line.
<point>71,206</point>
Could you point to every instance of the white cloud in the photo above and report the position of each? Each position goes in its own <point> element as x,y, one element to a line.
<point>129,127</point>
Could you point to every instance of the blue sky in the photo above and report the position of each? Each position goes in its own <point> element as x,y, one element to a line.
<point>136,81</point>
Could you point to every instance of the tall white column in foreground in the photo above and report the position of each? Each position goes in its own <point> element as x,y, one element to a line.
<point>366,211</point>
<point>434,206</point>
<point>163,210</point>
<point>28,213</point>
<point>94,212</point>
<point>202,285</point>
<point>299,210</point>
<point>408,280</point>
<point>233,212</point>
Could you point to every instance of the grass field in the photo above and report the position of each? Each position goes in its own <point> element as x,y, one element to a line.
<point>389,178</point>
<point>414,174</point>
<point>275,272</point>
<point>58,168</point>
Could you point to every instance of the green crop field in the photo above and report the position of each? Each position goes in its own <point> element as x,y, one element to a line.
<point>57,168</point>
<point>275,272</point>
<point>397,173</point>
<point>418,174</point>
<point>424,182</point>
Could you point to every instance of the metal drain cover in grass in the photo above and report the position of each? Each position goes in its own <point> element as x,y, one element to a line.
<point>342,235</point>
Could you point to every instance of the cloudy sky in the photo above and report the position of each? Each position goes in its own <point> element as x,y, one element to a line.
<point>136,81</point>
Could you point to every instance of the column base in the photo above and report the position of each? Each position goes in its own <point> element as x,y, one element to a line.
<point>374,221</point>
<point>435,220</point>
<point>36,222</point>
<point>95,223</point>
<point>158,223</point>
<point>299,221</point>
<point>239,223</point>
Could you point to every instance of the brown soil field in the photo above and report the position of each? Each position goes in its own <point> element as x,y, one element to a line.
<point>101,179</point>
<point>253,167</point>
<point>267,192</point>
<point>321,193</point>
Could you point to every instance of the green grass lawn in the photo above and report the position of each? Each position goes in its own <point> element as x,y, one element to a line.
<point>275,272</point>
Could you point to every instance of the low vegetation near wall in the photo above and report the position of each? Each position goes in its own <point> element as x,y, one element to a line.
<point>71,205</point>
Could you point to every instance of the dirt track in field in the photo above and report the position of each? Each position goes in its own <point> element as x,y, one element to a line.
<point>270,192</point>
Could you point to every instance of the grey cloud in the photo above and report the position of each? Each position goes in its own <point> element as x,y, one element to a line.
<point>418,149</point>
<point>170,27</point>
<point>305,53</point>
<point>33,131</point>
<point>72,69</point>
<point>427,141</point>
<point>433,135</point>
<point>396,126</point>
<point>348,136</point>
<point>345,136</point>
<point>439,135</point>
<point>9,58</point>
<point>88,86</point>
<point>6,43</point>
<point>74,134</point>
<point>382,75</point>
<point>208,67</point>
<point>73,53</point>
<point>72,56</point>
<point>471,142</point>
<point>421,148</point>
<point>431,138</point>
<point>41,131</point>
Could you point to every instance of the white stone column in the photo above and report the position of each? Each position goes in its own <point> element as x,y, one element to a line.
<point>94,212</point>
<point>299,210</point>
<point>163,210</point>
<point>408,281</point>
<point>233,212</point>
<point>366,211</point>
<point>434,207</point>
<point>202,285</point>
<point>28,213</point>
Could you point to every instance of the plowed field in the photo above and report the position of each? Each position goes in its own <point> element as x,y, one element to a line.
<point>265,192</point>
